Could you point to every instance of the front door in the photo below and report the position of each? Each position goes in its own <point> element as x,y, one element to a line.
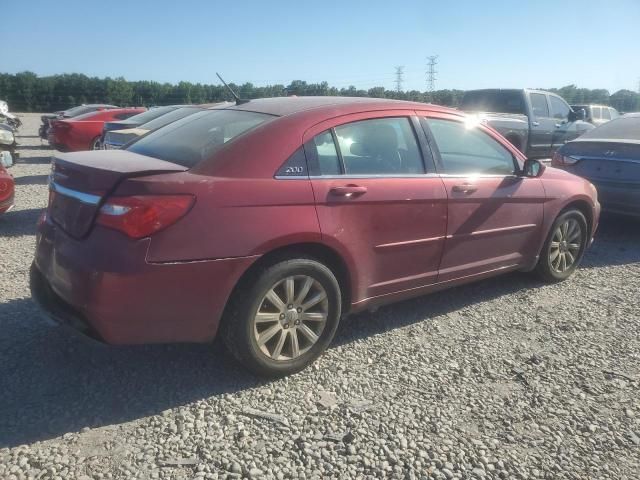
<point>494,215</point>
<point>377,203</point>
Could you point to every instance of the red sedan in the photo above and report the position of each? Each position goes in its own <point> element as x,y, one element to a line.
<point>84,132</point>
<point>7,188</point>
<point>269,220</point>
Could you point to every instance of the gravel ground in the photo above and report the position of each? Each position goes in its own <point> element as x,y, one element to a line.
<point>507,378</point>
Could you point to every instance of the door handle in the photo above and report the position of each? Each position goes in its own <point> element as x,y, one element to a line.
<point>348,190</point>
<point>464,188</point>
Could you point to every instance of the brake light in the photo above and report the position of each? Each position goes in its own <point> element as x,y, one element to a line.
<point>144,215</point>
<point>62,126</point>
<point>560,160</point>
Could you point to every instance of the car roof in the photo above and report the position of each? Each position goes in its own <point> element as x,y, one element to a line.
<point>283,106</point>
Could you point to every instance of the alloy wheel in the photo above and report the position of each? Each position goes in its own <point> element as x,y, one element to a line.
<point>565,245</point>
<point>291,317</point>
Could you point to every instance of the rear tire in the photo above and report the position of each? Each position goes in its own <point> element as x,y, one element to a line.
<point>564,247</point>
<point>96,143</point>
<point>282,318</point>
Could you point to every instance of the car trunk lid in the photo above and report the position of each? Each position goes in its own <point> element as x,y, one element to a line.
<point>80,182</point>
<point>606,162</point>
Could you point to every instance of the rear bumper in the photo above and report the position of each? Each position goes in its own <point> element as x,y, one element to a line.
<point>103,287</point>
<point>618,199</point>
<point>6,204</point>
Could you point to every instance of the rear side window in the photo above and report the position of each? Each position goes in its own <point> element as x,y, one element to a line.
<point>559,108</point>
<point>325,154</point>
<point>539,105</point>
<point>605,113</point>
<point>197,137</point>
<point>468,151</point>
<point>595,111</point>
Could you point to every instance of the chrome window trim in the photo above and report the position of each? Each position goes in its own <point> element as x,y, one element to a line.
<point>376,176</point>
<point>86,198</point>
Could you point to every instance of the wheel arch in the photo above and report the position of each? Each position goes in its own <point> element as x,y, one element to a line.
<point>315,250</point>
<point>583,207</point>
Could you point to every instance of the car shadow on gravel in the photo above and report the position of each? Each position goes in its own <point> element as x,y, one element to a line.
<point>32,180</point>
<point>33,160</point>
<point>44,146</point>
<point>427,307</point>
<point>53,381</point>
<point>57,382</point>
<point>19,222</point>
<point>617,242</point>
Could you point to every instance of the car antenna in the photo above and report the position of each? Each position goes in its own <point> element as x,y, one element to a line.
<point>239,101</point>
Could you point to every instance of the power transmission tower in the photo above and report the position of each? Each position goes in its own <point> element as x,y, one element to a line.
<point>431,72</point>
<point>399,79</point>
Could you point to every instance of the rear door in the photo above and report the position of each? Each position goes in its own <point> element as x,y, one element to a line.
<point>541,126</point>
<point>494,216</point>
<point>378,199</point>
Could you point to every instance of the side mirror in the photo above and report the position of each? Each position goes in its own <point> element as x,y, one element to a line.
<point>577,115</point>
<point>5,159</point>
<point>533,168</point>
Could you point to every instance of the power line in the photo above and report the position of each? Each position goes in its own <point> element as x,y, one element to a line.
<point>431,72</point>
<point>398,81</point>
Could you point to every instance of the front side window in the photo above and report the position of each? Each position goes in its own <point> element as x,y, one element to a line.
<point>614,113</point>
<point>197,137</point>
<point>539,105</point>
<point>605,113</point>
<point>468,150</point>
<point>559,108</point>
<point>596,112</point>
<point>381,146</point>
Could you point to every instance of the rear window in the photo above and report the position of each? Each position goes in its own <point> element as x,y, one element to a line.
<point>167,118</point>
<point>151,114</point>
<point>493,101</point>
<point>88,116</point>
<point>622,128</point>
<point>197,137</point>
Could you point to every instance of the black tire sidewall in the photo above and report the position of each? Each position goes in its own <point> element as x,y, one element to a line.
<point>544,265</point>
<point>243,343</point>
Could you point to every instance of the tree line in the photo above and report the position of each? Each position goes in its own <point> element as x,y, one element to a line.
<point>27,92</point>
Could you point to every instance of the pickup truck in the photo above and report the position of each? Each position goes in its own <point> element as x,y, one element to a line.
<point>534,121</point>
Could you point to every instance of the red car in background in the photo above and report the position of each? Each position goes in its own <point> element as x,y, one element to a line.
<point>84,132</point>
<point>6,190</point>
<point>268,220</point>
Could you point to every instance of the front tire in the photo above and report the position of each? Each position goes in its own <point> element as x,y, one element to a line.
<point>564,247</point>
<point>282,318</point>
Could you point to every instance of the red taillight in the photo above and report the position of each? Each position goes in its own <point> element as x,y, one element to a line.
<point>559,160</point>
<point>61,126</point>
<point>143,215</point>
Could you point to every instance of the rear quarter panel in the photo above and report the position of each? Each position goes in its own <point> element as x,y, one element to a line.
<point>231,217</point>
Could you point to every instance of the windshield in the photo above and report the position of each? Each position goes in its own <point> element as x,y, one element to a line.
<point>197,137</point>
<point>167,118</point>
<point>498,101</point>
<point>149,115</point>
